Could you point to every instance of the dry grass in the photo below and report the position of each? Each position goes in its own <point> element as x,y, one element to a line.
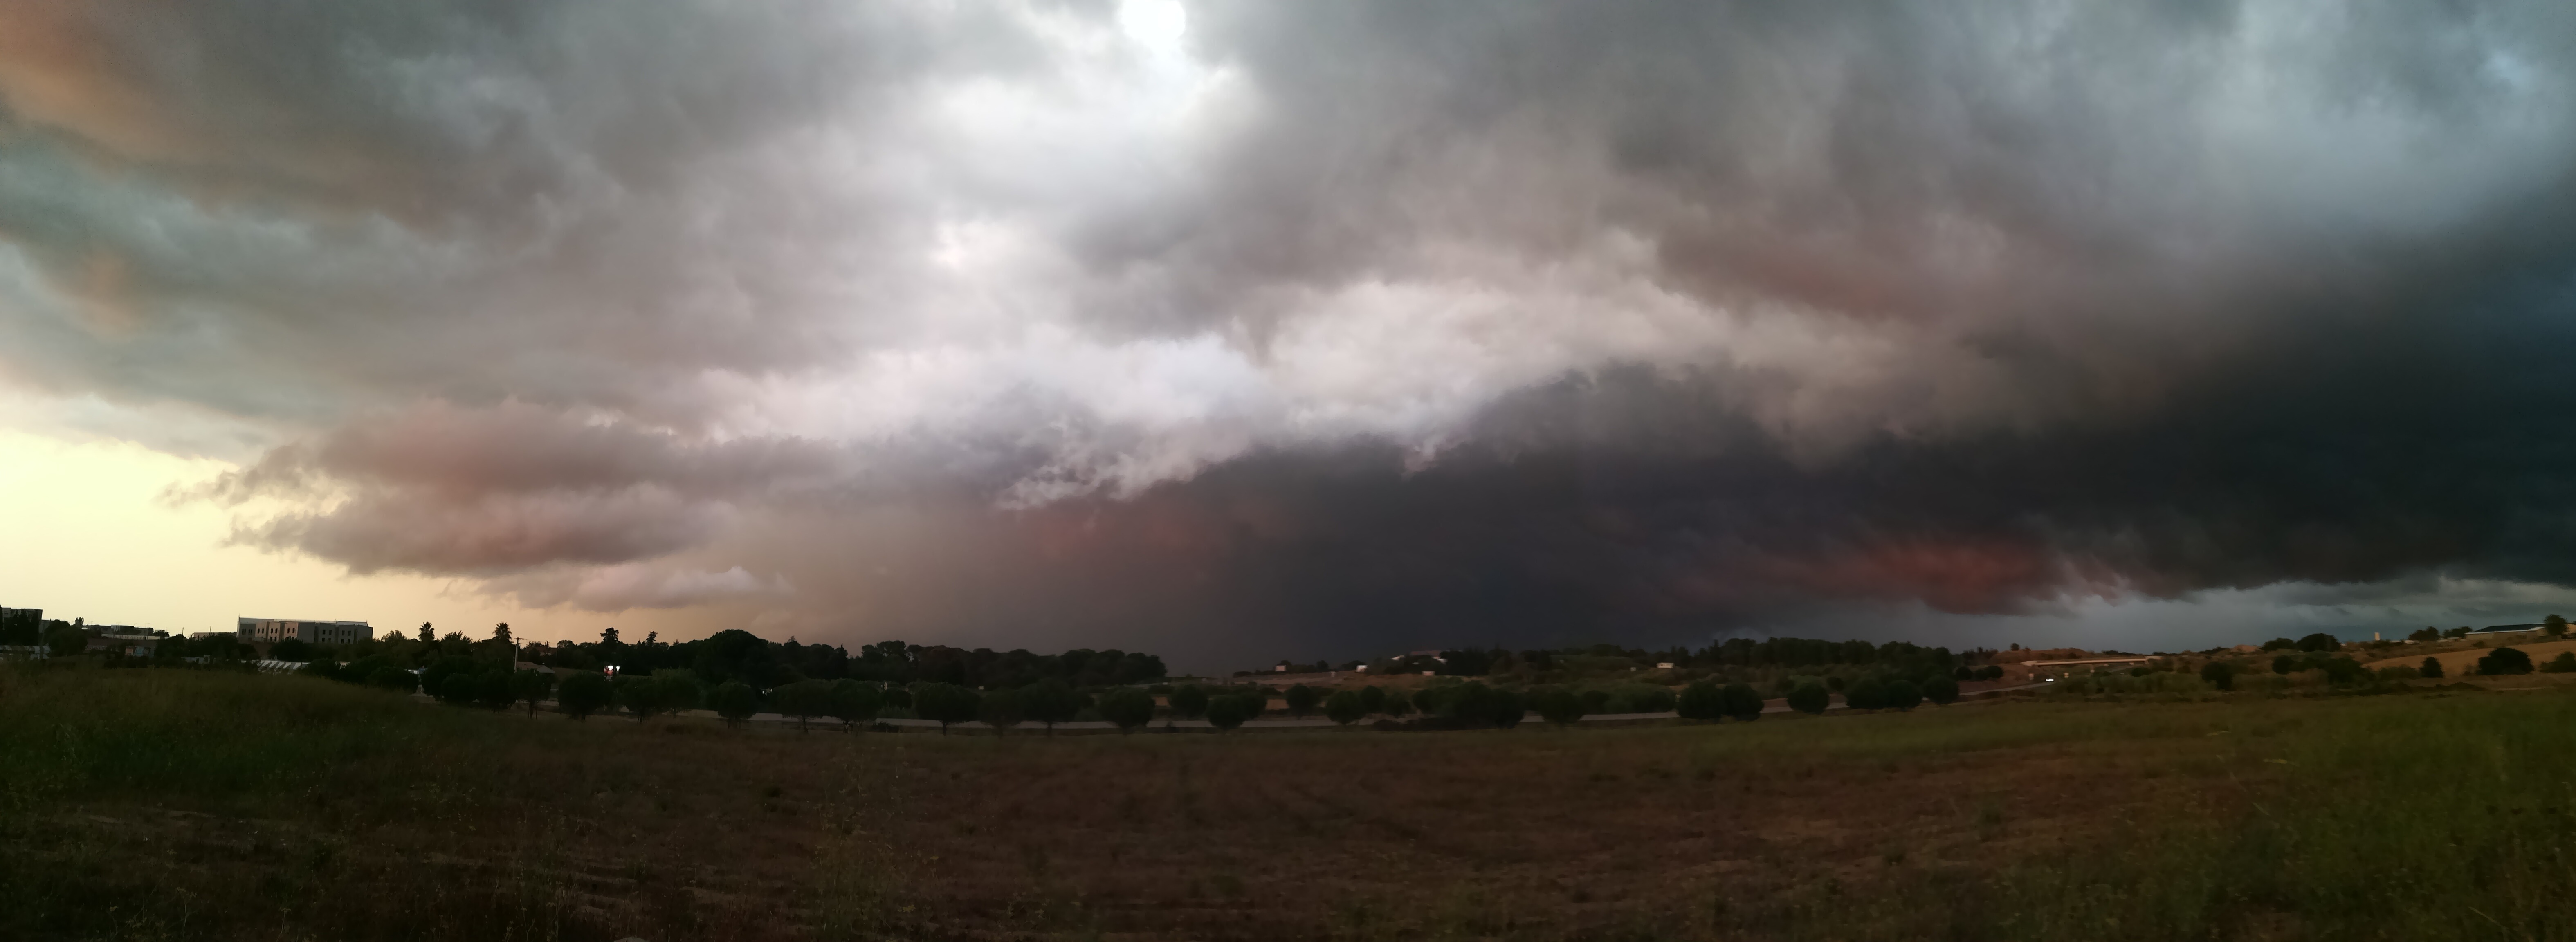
<point>147,804</point>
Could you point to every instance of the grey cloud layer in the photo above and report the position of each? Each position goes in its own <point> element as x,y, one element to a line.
<point>1379,316</point>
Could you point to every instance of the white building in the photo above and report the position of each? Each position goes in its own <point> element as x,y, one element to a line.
<point>334,633</point>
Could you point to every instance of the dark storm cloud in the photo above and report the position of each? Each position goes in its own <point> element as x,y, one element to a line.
<point>1351,323</point>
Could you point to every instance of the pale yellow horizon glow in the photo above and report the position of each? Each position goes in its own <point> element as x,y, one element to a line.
<point>84,533</point>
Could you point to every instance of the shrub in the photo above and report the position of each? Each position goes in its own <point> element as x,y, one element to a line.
<point>2279,644</point>
<point>1303,699</point>
<point>2220,674</point>
<point>946,704</point>
<point>1562,706</point>
<point>1903,695</point>
<point>1991,672</point>
<point>2320,642</point>
<point>582,694</point>
<point>1190,701</point>
<point>735,701</point>
<point>2283,664</point>
<point>1397,704</point>
<point>2432,667</point>
<point>853,702</point>
<point>1702,700</point>
<point>1868,694</point>
<point>1127,707</point>
<point>2505,660</point>
<point>1595,701</point>
<point>1810,698</point>
<point>2564,663</point>
<point>1941,690</point>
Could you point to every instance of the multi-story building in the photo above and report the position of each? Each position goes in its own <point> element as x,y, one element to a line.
<point>22,625</point>
<point>333,633</point>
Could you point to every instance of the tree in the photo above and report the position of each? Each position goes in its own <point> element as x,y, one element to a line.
<point>2564,663</point>
<point>1001,710</point>
<point>582,694</point>
<point>501,633</point>
<point>2505,661</point>
<point>1702,700</point>
<point>1372,700</point>
<point>1903,695</point>
<point>1742,701</point>
<point>458,689</point>
<point>2427,633</point>
<point>496,691</point>
<point>1942,690</point>
<point>1050,702</point>
<point>533,687</point>
<point>1229,711</point>
<point>1344,707</point>
<point>735,701</point>
<point>2555,625</point>
<point>854,702</point>
<point>2221,675</point>
<point>1560,706</point>
<point>393,678</point>
<point>2320,642</point>
<point>1303,700</point>
<point>1810,698</point>
<point>2432,667</point>
<point>2279,644</point>
<point>1127,707</point>
<point>1868,694</point>
<point>1256,701</point>
<point>290,649</point>
<point>2284,664</point>
<point>426,637</point>
<point>1190,701</point>
<point>804,700</point>
<point>947,704</point>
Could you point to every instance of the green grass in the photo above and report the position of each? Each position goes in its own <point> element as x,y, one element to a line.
<point>147,804</point>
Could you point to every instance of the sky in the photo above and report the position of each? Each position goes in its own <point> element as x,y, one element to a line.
<point>1247,331</point>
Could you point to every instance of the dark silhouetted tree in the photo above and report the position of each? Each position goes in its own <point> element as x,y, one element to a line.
<point>2320,643</point>
<point>1743,703</point>
<point>1702,700</point>
<point>1372,700</point>
<point>1810,698</point>
<point>946,704</point>
<point>2555,625</point>
<point>1560,706</point>
<point>532,688</point>
<point>803,701</point>
<point>853,702</point>
<point>1344,707</point>
<point>581,695</point>
<point>2564,663</point>
<point>2221,675</point>
<point>1002,709</point>
<point>2285,664</point>
<point>392,678</point>
<point>1868,694</point>
<point>2432,667</point>
<point>1902,694</point>
<point>1229,711</point>
<point>2505,661</point>
<point>2280,644</point>
<point>1190,701</point>
<point>1127,707</point>
<point>1303,700</point>
<point>1050,702</point>
<point>427,637</point>
<point>735,701</point>
<point>459,689</point>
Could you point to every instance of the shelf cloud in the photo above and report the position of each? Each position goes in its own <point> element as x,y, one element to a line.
<point>1250,328</point>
